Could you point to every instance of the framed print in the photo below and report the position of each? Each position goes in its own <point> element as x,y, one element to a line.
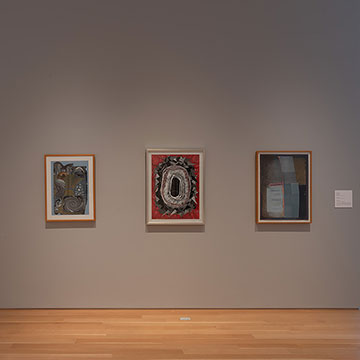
<point>175,187</point>
<point>69,187</point>
<point>283,187</point>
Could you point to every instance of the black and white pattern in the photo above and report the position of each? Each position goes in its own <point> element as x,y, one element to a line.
<point>175,186</point>
<point>70,189</point>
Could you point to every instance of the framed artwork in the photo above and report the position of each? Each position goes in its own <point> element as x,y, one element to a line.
<point>69,187</point>
<point>175,187</point>
<point>283,187</point>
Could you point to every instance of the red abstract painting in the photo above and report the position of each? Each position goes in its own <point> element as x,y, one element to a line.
<point>175,186</point>
<point>175,190</point>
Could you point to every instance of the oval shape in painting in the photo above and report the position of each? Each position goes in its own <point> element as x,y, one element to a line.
<point>175,187</point>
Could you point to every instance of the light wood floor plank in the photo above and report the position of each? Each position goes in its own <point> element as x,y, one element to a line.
<point>159,334</point>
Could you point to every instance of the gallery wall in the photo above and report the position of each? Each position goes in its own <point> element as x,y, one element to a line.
<point>113,78</point>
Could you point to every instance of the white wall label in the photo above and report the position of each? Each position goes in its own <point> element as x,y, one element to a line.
<point>343,198</point>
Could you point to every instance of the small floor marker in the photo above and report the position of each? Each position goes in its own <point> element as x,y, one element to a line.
<point>185,318</point>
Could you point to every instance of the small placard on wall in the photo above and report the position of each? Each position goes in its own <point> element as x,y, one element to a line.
<point>343,198</point>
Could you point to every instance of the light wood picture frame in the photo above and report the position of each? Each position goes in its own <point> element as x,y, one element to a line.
<point>283,187</point>
<point>175,186</point>
<point>69,187</point>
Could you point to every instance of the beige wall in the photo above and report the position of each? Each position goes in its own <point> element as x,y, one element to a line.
<point>115,77</point>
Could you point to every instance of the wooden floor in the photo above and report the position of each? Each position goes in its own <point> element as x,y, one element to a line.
<point>160,334</point>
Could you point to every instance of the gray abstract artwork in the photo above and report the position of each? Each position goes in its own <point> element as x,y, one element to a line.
<point>70,188</point>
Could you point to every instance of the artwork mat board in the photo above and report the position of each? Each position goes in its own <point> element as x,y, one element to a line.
<point>48,158</point>
<point>258,189</point>
<point>149,219</point>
